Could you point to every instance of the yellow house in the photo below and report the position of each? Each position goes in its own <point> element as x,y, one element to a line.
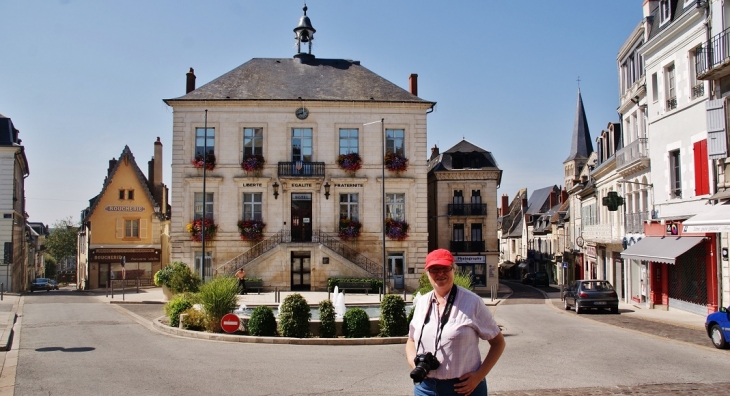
<point>127,221</point>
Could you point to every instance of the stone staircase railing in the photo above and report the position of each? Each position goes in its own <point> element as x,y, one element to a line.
<point>331,241</point>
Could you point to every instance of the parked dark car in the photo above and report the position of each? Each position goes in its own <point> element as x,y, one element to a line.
<point>528,279</point>
<point>717,325</point>
<point>40,284</point>
<point>590,294</point>
<point>540,279</point>
<point>53,284</point>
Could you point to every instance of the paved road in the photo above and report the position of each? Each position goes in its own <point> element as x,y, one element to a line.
<point>71,344</point>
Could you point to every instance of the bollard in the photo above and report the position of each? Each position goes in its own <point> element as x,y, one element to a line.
<point>2,290</point>
<point>111,282</point>
<point>404,295</point>
<point>181,320</point>
<point>380,294</point>
<point>137,284</point>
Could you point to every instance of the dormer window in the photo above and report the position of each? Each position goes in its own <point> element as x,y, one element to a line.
<point>457,161</point>
<point>665,11</point>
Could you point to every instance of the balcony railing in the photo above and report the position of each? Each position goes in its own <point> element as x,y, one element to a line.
<point>713,53</point>
<point>634,222</point>
<point>301,169</point>
<point>634,151</point>
<point>672,103</point>
<point>698,90</point>
<point>467,246</point>
<point>468,209</point>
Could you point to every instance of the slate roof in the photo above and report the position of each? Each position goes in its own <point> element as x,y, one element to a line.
<point>580,145</point>
<point>126,153</point>
<point>473,157</point>
<point>678,10</point>
<point>538,199</point>
<point>8,133</point>
<point>298,79</point>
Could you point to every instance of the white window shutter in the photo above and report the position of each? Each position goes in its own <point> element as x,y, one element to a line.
<point>143,228</point>
<point>716,135</point>
<point>120,228</point>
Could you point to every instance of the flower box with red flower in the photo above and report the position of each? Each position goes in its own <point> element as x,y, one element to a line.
<point>251,230</point>
<point>396,230</point>
<point>350,162</point>
<point>349,229</point>
<point>208,161</point>
<point>195,226</point>
<point>395,162</point>
<point>253,163</point>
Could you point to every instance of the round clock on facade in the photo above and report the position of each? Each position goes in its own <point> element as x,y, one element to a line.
<point>302,113</point>
<point>579,241</point>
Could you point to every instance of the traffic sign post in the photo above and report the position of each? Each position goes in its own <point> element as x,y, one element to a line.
<point>230,323</point>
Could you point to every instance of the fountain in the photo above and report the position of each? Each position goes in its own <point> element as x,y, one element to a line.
<point>241,309</point>
<point>339,305</point>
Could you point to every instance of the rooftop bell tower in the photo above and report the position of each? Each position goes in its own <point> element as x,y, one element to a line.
<point>304,33</point>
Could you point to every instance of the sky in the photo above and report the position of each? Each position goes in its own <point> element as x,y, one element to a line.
<point>81,79</point>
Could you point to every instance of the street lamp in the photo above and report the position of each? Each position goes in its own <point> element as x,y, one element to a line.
<point>202,223</point>
<point>382,135</point>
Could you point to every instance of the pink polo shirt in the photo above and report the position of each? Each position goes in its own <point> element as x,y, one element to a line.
<point>458,352</point>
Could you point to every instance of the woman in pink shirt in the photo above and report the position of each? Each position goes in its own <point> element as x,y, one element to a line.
<point>443,338</point>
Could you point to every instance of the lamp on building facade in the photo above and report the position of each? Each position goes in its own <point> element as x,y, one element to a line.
<point>276,190</point>
<point>327,190</point>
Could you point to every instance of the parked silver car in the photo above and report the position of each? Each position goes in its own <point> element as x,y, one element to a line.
<point>591,293</point>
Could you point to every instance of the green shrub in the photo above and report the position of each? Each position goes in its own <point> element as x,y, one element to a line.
<point>410,314</point>
<point>176,306</point>
<point>178,277</point>
<point>393,321</point>
<point>218,297</point>
<point>262,322</point>
<point>327,327</point>
<point>375,284</point>
<point>461,278</point>
<point>356,324</point>
<point>194,320</point>
<point>294,317</point>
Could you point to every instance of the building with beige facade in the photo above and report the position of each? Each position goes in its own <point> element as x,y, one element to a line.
<point>462,209</point>
<point>296,185</point>
<point>127,221</point>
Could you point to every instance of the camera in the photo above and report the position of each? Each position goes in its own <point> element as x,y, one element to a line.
<point>424,363</point>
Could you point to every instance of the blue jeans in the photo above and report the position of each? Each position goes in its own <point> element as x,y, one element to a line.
<point>434,387</point>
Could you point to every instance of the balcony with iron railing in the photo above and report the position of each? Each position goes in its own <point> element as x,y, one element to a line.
<point>672,103</point>
<point>634,222</point>
<point>301,169</point>
<point>712,60</point>
<point>698,90</point>
<point>467,246</point>
<point>467,209</point>
<point>634,156</point>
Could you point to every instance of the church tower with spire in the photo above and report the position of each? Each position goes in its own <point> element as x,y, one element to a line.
<point>581,146</point>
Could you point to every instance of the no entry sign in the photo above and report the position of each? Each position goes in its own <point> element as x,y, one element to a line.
<point>230,323</point>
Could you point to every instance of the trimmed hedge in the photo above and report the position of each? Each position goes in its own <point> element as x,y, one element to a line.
<point>294,317</point>
<point>375,284</point>
<point>262,322</point>
<point>356,324</point>
<point>327,327</point>
<point>393,322</point>
<point>176,306</point>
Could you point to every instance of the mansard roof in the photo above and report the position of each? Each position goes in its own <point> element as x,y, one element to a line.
<point>580,145</point>
<point>678,9</point>
<point>301,79</point>
<point>471,155</point>
<point>126,154</point>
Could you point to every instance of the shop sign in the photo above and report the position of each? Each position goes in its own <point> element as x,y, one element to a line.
<point>706,228</point>
<point>124,208</point>
<point>107,255</point>
<point>591,251</point>
<point>470,259</point>
<point>672,229</point>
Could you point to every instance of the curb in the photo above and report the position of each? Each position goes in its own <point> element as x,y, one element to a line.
<point>7,335</point>
<point>275,340</point>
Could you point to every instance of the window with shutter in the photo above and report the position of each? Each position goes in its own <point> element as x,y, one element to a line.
<point>702,174</point>
<point>716,135</point>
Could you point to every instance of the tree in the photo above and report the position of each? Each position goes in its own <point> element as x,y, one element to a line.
<point>50,266</point>
<point>62,241</point>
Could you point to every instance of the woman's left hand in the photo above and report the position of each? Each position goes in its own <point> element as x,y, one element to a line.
<point>469,382</point>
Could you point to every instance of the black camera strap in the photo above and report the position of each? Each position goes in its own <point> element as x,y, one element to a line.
<point>444,319</point>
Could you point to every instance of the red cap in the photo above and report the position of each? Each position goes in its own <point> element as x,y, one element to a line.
<point>439,257</point>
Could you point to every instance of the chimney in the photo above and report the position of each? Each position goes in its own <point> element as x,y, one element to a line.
<point>563,195</point>
<point>190,82</point>
<point>648,6</point>
<point>413,82</point>
<point>553,198</point>
<point>112,164</point>
<point>524,203</point>
<point>157,174</point>
<point>434,151</point>
<point>505,205</point>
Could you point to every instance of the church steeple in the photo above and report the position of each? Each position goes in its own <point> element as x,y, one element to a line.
<point>581,145</point>
<point>304,34</point>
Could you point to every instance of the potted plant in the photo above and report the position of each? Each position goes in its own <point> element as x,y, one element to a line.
<point>349,229</point>
<point>194,227</point>
<point>395,162</point>
<point>251,230</point>
<point>350,162</point>
<point>396,230</point>
<point>253,163</point>
<point>208,161</point>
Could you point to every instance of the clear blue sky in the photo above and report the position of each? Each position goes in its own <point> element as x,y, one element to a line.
<point>83,78</point>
